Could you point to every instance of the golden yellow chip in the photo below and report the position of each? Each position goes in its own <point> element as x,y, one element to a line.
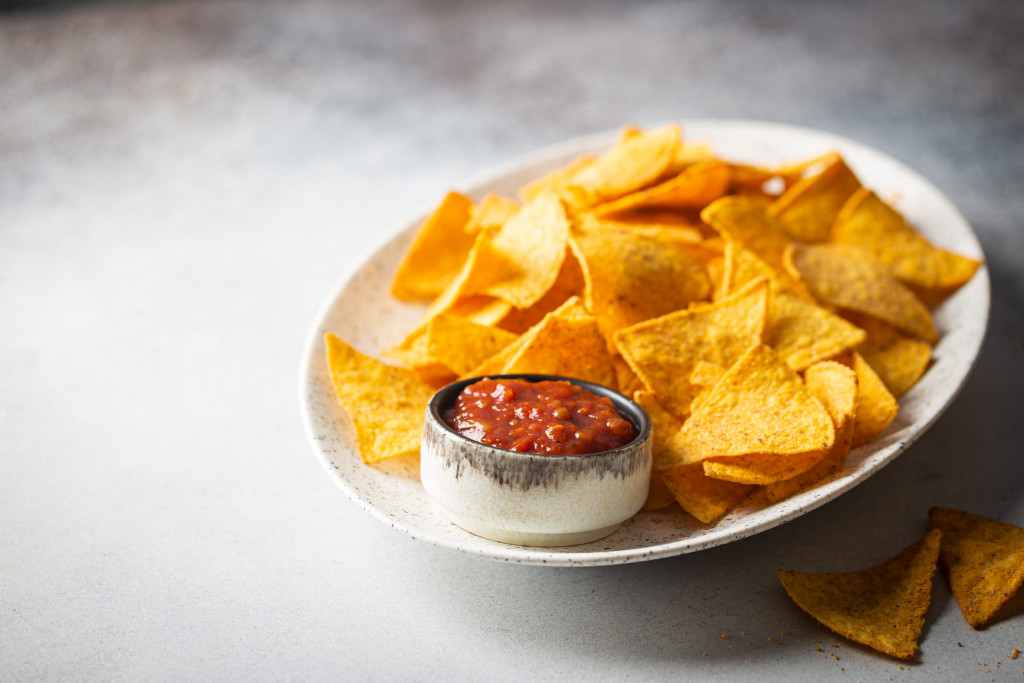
<point>800,331</point>
<point>983,560</point>
<point>437,252</point>
<point>556,180</point>
<point>631,164</point>
<point>762,468</point>
<point>492,213</point>
<point>632,276</point>
<point>696,187</point>
<point>522,260</point>
<point>704,378</point>
<point>568,284</point>
<point>897,359</point>
<point>663,426</point>
<point>765,183</point>
<point>876,406</point>
<point>567,346</point>
<point>684,223</point>
<point>759,406</point>
<point>882,607</point>
<point>744,221</point>
<point>866,221</point>
<point>808,209</point>
<point>705,498</point>
<point>835,385</point>
<point>461,344</point>
<point>386,404</point>
<point>850,278</point>
<point>663,351</point>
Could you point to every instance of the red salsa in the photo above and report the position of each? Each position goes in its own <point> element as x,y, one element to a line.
<point>553,418</point>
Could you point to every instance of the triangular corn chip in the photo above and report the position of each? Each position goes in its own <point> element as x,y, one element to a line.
<point>808,209</point>
<point>523,258</point>
<point>631,164</point>
<point>663,351</point>
<point>759,406</point>
<point>851,278</point>
<point>461,344</point>
<point>762,468</point>
<point>898,359</point>
<point>694,188</point>
<point>876,406</point>
<point>632,275</point>
<point>835,385</point>
<point>744,221</point>
<point>866,221</point>
<point>882,607</point>
<point>663,426</point>
<point>705,498</point>
<point>555,180</point>
<point>387,404</point>
<point>569,283</point>
<point>566,344</point>
<point>983,560</point>
<point>437,252</point>
<point>492,213</point>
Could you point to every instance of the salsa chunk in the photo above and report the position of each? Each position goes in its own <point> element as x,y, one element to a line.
<point>546,418</point>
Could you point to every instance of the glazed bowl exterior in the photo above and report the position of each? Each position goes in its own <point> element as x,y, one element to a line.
<point>530,499</point>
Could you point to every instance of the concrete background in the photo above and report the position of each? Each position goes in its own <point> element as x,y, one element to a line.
<point>182,182</point>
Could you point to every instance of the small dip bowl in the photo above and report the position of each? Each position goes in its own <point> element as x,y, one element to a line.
<point>529,499</point>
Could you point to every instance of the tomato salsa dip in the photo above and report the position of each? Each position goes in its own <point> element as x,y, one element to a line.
<point>545,418</point>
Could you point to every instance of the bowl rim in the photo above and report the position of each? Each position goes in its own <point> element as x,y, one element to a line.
<point>626,406</point>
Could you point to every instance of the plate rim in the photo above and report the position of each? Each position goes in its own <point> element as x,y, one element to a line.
<point>525,555</point>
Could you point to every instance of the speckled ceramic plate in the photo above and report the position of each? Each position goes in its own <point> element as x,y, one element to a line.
<point>361,311</point>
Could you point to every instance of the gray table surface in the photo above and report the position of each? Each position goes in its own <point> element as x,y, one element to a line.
<point>182,182</point>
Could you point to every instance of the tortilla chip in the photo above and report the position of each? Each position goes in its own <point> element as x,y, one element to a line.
<point>983,561</point>
<point>386,404</point>
<point>866,221</point>
<point>800,331</point>
<point>808,209</point>
<point>522,260</point>
<point>835,385</point>
<point>850,278</point>
<point>759,406</point>
<point>882,607</point>
<point>461,344</point>
<point>745,222</point>
<point>684,224</point>
<point>569,283</point>
<point>899,360</point>
<point>555,180</point>
<point>664,351</point>
<point>705,498</point>
<point>631,164</point>
<point>663,426</point>
<point>633,276</point>
<point>876,406</point>
<point>762,468</point>
<point>764,183</point>
<point>694,188</point>
<point>704,378</point>
<point>437,252</point>
<point>568,346</point>
<point>492,213</point>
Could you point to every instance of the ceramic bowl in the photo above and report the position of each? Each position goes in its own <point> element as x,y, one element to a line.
<point>529,499</point>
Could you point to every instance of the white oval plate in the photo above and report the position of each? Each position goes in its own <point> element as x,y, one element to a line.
<point>361,311</point>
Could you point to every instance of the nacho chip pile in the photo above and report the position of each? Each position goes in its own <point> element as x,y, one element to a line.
<point>767,318</point>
